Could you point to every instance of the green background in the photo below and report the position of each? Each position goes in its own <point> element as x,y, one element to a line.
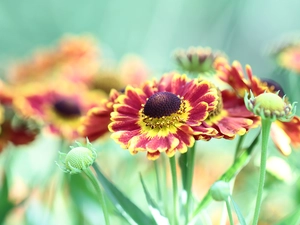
<point>153,29</point>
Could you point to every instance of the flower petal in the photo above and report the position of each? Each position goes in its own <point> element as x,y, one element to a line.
<point>280,139</point>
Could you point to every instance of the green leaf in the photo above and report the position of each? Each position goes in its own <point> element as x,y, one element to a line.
<point>153,207</point>
<point>238,212</point>
<point>127,208</point>
<point>83,195</point>
<point>292,219</point>
<point>5,204</point>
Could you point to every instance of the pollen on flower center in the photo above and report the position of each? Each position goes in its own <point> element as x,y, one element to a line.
<point>163,110</point>
<point>67,108</point>
<point>162,104</point>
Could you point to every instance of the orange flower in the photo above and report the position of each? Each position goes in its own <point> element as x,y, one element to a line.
<point>289,58</point>
<point>75,58</point>
<point>286,53</point>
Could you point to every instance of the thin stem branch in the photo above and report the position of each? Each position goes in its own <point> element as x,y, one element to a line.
<point>175,189</point>
<point>96,185</point>
<point>266,126</point>
<point>189,180</point>
<point>238,146</point>
<point>229,212</point>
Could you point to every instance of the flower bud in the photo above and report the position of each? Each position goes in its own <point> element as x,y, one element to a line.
<point>78,159</point>
<point>220,191</point>
<point>270,106</point>
<point>197,59</point>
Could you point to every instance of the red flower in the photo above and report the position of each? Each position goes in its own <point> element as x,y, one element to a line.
<point>161,116</point>
<point>95,123</point>
<point>230,118</point>
<point>234,76</point>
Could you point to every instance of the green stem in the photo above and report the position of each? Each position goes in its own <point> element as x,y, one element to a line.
<point>164,186</point>
<point>189,180</point>
<point>266,126</point>
<point>96,185</point>
<point>159,195</point>
<point>175,189</point>
<point>238,164</point>
<point>238,146</point>
<point>229,212</point>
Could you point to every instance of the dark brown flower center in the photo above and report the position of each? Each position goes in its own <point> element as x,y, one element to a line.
<point>67,108</point>
<point>274,86</point>
<point>162,104</point>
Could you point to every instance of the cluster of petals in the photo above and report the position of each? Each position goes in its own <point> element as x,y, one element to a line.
<point>230,119</point>
<point>170,114</point>
<point>95,123</point>
<point>205,112</point>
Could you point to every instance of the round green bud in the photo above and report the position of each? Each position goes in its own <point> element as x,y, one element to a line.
<point>79,158</point>
<point>270,101</point>
<point>220,191</point>
<point>270,106</point>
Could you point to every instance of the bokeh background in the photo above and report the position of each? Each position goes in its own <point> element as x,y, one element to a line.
<point>243,29</point>
<point>152,29</point>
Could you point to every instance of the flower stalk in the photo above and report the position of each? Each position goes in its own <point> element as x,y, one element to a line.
<point>266,126</point>
<point>79,159</point>
<point>96,185</point>
<point>189,180</point>
<point>229,211</point>
<point>175,189</point>
<point>270,107</point>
